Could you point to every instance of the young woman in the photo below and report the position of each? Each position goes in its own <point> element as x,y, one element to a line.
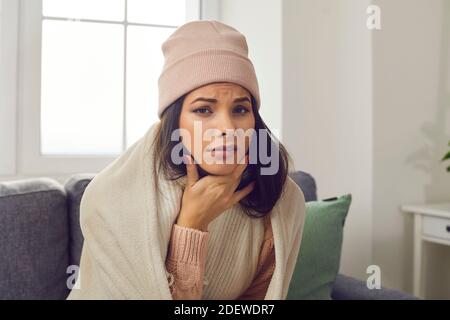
<point>201,207</point>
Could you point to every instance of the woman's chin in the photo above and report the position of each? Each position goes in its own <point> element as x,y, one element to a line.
<point>218,169</point>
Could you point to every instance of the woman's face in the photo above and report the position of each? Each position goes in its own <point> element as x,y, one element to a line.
<point>217,110</point>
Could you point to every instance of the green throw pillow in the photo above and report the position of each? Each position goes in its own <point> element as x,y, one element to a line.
<point>320,250</point>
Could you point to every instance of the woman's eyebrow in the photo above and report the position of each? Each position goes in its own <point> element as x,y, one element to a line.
<point>242,99</point>
<point>205,99</point>
<point>212,100</point>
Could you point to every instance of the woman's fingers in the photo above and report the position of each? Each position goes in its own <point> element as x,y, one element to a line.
<point>191,170</point>
<point>238,195</point>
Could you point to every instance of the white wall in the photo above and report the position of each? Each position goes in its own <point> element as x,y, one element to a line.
<point>327,122</point>
<point>367,112</point>
<point>411,129</point>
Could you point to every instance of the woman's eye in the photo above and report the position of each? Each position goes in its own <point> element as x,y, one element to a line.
<point>202,110</point>
<point>241,109</point>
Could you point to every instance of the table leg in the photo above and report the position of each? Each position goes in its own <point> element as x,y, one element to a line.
<point>418,251</point>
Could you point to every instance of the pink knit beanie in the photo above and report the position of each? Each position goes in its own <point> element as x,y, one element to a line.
<point>201,52</point>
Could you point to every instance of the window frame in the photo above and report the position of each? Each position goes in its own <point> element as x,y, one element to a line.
<point>31,161</point>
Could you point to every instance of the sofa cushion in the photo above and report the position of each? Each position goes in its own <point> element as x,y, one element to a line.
<point>33,239</point>
<point>320,250</point>
<point>307,183</point>
<point>349,288</point>
<point>74,187</point>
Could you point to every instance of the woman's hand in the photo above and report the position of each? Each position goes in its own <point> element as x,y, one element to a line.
<point>205,199</point>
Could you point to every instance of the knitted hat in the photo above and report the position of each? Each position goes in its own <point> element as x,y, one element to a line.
<point>201,52</point>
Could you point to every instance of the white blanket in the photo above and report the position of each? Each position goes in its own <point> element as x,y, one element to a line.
<point>127,226</point>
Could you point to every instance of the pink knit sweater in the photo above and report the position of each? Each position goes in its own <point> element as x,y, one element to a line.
<point>186,261</point>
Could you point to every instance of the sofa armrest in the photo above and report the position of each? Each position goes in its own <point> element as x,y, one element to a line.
<point>348,288</point>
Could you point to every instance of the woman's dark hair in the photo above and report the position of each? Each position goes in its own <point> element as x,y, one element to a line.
<point>268,188</point>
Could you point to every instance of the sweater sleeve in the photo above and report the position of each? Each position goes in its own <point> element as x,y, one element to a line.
<point>185,262</point>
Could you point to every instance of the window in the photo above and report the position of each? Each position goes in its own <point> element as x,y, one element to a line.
<point>100,64</point>
<point>88,77</point>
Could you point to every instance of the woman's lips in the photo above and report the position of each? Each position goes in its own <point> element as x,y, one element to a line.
<point>225,150</point>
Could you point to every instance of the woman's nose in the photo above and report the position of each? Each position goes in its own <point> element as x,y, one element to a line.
<point>226,125</point>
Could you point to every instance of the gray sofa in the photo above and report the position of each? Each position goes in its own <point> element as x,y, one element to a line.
<point>40,237</point>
